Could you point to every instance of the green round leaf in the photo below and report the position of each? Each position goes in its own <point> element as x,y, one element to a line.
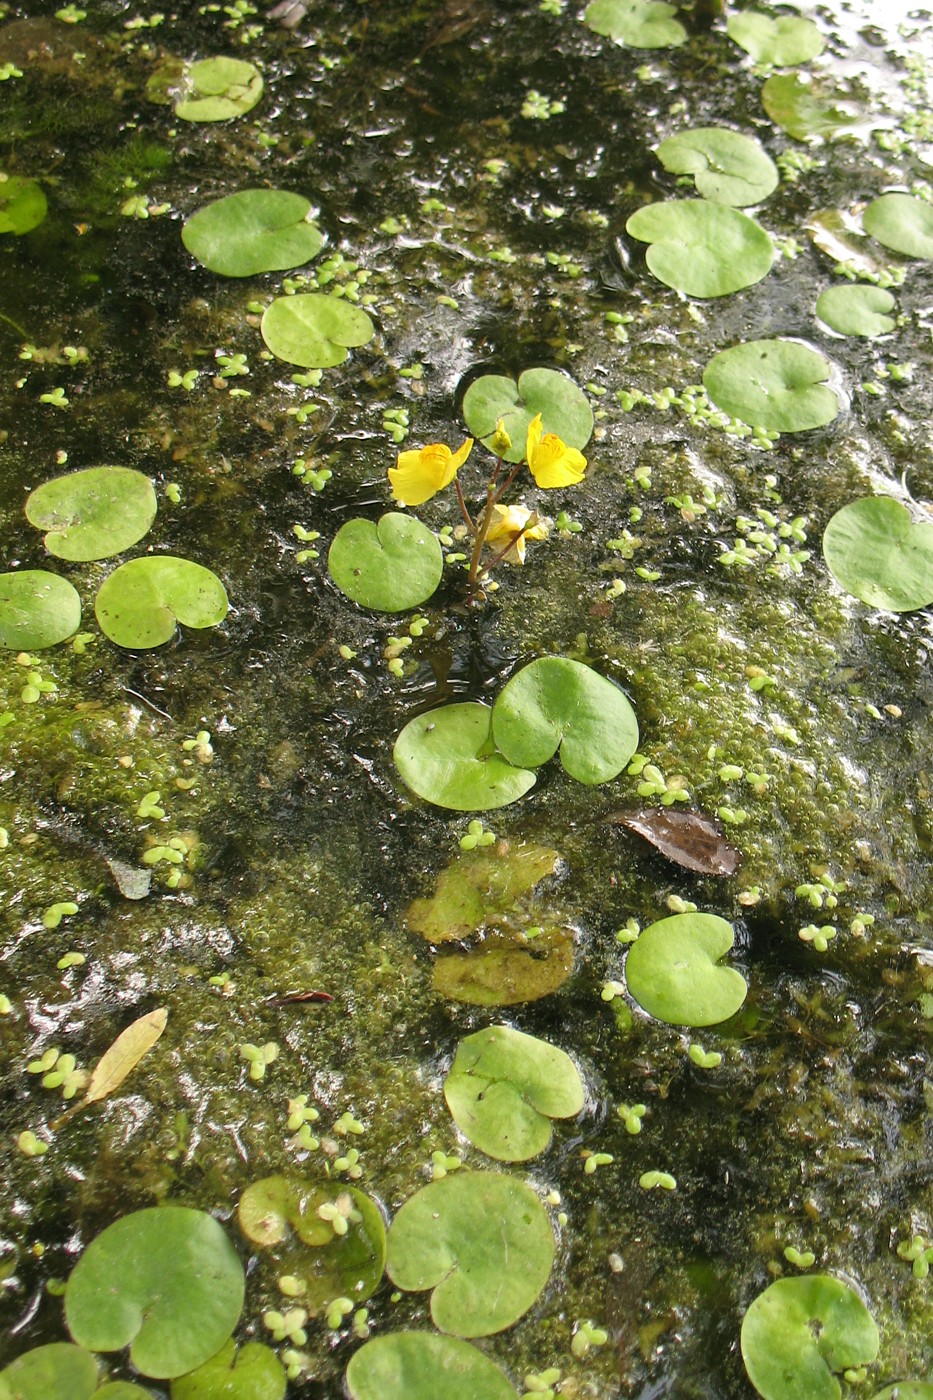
<point>482,1241</point>
<point>855,309</point>
<point>673,971</point>
<point>94,513</point>
<point>314,330</point>
<point>253,231</point>
<point>141,602</point>
<point>876,552</point>
<point>563,407</point>
<point>281,1214</point>
<point>252,1373</point>
<point>216,89</point>
<point>641,24</point>
<point>165,1281</point>
<point>504,1088</point>
<point>906,1390</point>
<point>702,249</point>
<point>800,1332</point>
<point>804,106</point>
<point>447,757</point>
<point>785,41</point>
<point>902,223</point>
<point>778,385</point>
<point>23,205</point>
<point>424,1366</point>
<point>391,566</point>
<point>728,168</point>
<point>59,1369</point>
<point>555,703</point>
<point>37,609</point>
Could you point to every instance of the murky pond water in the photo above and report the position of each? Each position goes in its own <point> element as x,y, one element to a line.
<point>472,167</point>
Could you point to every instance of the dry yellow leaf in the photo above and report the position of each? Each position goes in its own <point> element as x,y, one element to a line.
<point>124,1055</point>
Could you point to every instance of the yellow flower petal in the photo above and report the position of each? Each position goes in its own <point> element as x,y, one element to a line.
<point>420,474</point>
<point>515,525</point>
<point>551,462</point>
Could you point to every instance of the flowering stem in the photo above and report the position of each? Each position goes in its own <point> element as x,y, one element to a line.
<point>493,496</point>
<point>463,508</point>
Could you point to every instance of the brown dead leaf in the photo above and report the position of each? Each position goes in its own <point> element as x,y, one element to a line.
<point>690,839</point>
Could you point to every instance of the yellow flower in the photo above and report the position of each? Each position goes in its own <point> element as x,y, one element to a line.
<point>501,442</point>
<point>550,461</point>
<point>419,475</point>
<point>515,525</point>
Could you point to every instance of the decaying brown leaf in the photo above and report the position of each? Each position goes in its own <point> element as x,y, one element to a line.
<point>689,839</point>
<point>124,1055</point>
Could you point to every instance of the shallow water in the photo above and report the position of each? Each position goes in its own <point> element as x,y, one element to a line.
<point>491,240</point>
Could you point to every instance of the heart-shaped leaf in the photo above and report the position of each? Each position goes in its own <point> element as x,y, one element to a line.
<point>94,513</point>
<point>216,89</point>
<point>391,566</point>
<point>482,1241</point>
<point>556,703</point>
<point>875,551</point>
<point>57,1370</point>
<point>252,1373</point>
<point>854,309</point>
<point>141,602</point>
<point>479,887</point>
<point>806,106</point>
<point>673,971</point>
<point>563,407</point>
<point>424,1366</point>
<point>447,757</point>
<point>901,222</point>
<point>702,249</point>
<point>253,231</point>
<point>165,1281</point>
<point>314,330</point>
<point>727,167</point>
<point>504,1088</point>
<point>785,41</point>
<point>778,385</point>
<point>37,610</point>
<point>507,969</point>
<point>23,205</point>
<point>641,24</point>
<point>801,1332</point>
<point>292,1218</point>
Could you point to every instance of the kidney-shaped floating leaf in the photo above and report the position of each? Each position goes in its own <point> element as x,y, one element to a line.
<point>504,1088</point>
<point>23,204</point>
<point>482,1241</point>
<point>507,970</point>
<point>57,1370</point>
<point>391,566</point>
<point>37,610</point>
<point>785,41</point>
<point>727,167</point>
<point>854,309</point>
<point>94,513</point>
<point>901,222</point>
<point>314,330</point>
<point>778,385</point>
<point>673,971</point>
<point>424,1366</point>
<point>641,24</point>
<point>557,703</point>
<point>216,89</point>
<point>563,407</point>
<point>141,602</point>
<point>253,231</point>
<point>284,1215</point>
<point>165,1281</point>
<point>702,249</point>
<point>447,756</point>
<point>478,887</point>
<point>690,839</point>
<point>252,1373</point>
<point>875,551</point>
<point>802,1331</point>
<point>808,107</point>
